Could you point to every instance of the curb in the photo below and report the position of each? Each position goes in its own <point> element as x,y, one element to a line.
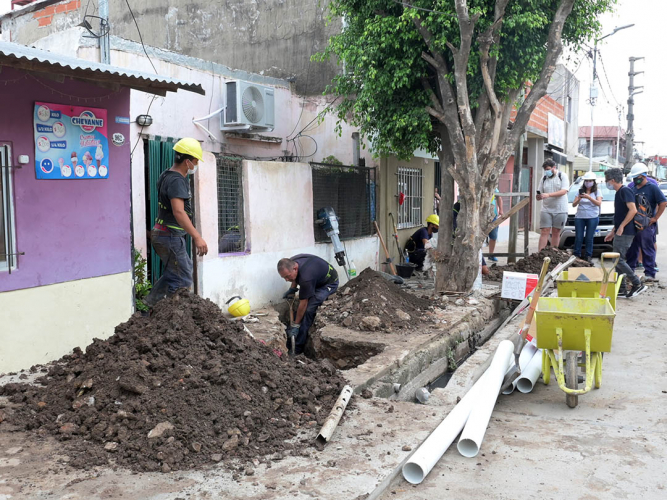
<point>459,385</point>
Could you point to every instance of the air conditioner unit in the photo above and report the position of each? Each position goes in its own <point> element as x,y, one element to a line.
<point>248,107</point>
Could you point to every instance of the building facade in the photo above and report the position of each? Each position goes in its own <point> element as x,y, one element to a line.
<point>65,224</point>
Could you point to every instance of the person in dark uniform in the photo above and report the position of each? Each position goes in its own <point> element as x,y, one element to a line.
<point>173,222</point>
<point>316,279</point>
<point>415,246</point>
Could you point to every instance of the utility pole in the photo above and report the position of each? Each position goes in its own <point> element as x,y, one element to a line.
<point>516,187</point>
<point>594,89</point>
<point>105,49</point>
<point>619,109</point>
<point>630,134</point>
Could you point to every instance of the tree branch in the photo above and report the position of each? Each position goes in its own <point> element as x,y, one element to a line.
<point>554,50</point>
<point>448,103</point>
<point>461,58</point>
<point>437,106</point>
<point>486,41</point>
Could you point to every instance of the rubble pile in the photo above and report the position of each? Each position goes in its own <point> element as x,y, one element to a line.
<point>533,263</point>
<point>176,390</point>
<point>370,302</point>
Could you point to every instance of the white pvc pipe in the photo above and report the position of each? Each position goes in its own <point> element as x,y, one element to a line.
<point>473,433</point>
<point>526,355</point>
<point>434,447</point>
<point>529,376</point>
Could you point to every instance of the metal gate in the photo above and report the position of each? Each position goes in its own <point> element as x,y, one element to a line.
<point>160,157</point>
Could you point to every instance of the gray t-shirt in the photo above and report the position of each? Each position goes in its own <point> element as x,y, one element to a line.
<point>551,185</point>
<point>587,209</point>
<point>170,185</point>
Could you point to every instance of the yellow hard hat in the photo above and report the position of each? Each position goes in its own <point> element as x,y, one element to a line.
<point>241,307</point>
<point>433,219</point>
<point>189,146</point>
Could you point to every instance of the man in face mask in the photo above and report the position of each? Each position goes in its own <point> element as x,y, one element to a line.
<point>173,222</point>
<point>645,240</point>
<point>552,191</point>
<point>416,245</point>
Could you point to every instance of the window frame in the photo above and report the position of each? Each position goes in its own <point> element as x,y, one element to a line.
<point>406,178</point>
<point>219,161</point>
<point>9,219</point>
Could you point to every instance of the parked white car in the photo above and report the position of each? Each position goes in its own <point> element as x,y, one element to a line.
<point>606,223</point>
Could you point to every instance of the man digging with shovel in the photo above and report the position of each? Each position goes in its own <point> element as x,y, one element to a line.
<point>316,280</point>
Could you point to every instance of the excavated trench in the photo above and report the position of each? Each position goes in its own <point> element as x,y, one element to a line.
<point>344,354</point>
<point>432,365</point>
<point>429,365</point>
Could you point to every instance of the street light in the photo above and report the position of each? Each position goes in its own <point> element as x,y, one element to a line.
<point>594,90</point>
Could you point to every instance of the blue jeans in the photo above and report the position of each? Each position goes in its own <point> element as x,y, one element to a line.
<point>622,245</point>
<point>588,226</point>
<point>644,241</point>
<point>314,302</point>
<point>177,266</point>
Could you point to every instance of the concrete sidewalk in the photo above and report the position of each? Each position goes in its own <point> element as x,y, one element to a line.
<point>613,445</point>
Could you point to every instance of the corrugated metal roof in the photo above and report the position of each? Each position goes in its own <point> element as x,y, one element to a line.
<point>32,59</point>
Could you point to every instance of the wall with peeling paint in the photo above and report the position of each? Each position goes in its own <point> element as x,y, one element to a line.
<point>278,208</point>
<point>270,37</point>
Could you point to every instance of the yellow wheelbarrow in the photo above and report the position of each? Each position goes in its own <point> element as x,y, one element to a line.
<point>595,279</point>
<point>573,325</point>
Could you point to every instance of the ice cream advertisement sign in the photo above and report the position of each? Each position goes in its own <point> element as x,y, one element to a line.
<point>71,142</point>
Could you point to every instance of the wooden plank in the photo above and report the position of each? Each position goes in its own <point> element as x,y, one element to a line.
<point>506,216</point>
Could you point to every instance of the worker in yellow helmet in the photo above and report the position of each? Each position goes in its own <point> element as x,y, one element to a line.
<point>174,222</point>
<point>416,245</point>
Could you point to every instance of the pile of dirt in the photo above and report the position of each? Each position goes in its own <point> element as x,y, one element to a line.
<point>176,390</point>
<point>371,302</point>
<point>533,263</point>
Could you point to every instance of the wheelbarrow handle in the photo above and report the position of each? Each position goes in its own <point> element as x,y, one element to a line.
<point>533,305</point>
<point>606,258</point>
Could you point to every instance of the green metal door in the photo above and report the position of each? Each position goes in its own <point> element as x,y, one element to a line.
<point>160,158</point>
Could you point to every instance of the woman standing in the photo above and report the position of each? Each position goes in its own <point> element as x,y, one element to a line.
<point>588,215</point>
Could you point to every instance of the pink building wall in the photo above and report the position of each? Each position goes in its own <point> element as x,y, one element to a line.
<point>68,229</point>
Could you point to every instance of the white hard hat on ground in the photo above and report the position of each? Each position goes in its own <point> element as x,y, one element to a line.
<point>637,169</point>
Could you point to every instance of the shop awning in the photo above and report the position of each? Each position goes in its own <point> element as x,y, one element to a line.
<point>19,56</point>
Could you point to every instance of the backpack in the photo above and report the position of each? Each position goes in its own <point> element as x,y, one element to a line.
<point>644,213</point>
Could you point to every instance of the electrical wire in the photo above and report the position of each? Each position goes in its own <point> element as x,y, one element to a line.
<point>405,4</point>
<point>604,70</point>
<point>141,39</point>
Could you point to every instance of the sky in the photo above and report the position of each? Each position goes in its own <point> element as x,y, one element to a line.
<point>645,39</point>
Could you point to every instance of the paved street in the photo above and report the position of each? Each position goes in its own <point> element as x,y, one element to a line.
<point>613,445</point>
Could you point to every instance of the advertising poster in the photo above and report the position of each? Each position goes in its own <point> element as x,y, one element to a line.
<point>71,142</point>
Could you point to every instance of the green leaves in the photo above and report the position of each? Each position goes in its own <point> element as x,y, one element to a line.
<point>382,90</point>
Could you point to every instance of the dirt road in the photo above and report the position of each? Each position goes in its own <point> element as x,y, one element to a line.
<point>613,445</point>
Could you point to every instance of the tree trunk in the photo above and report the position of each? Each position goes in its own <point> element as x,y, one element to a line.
<point>464,262</point>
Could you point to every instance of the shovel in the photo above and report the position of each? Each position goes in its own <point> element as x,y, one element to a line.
<point>515,371</point>
<point>291,340</point>
<point>613,257</point>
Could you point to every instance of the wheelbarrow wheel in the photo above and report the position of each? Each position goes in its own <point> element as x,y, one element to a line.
<point>571,378</point>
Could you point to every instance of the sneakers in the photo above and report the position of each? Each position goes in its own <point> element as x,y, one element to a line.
<point>634,291</point>
<point>650,279</point>
<point>640,265</point>
<point>494,259</point>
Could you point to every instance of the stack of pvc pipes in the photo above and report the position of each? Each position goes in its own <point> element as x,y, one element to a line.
<point>474,409</point>
<point>470,417</point>
<point>530,363</point>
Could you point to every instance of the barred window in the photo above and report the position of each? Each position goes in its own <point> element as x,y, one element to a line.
<point>351,192</point>
<point>231,230</point>
<point>410,185</point>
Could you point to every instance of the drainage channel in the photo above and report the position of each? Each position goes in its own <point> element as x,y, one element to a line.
<point>434,365</point>
<point>442,381</point>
